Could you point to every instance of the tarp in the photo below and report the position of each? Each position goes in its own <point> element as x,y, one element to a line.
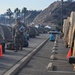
<point>48,27</point>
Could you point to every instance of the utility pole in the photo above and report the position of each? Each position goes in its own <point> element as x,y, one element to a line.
<point>61,14</point>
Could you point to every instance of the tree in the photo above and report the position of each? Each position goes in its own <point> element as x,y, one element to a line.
<point>24,11</point>
<point>9,14</point>
<point>17,12</point>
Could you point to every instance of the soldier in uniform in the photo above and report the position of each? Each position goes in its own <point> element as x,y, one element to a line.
<point>18,37</point>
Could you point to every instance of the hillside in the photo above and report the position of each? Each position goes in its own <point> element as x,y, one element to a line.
<point>52,14</point>
<point>30,16</point>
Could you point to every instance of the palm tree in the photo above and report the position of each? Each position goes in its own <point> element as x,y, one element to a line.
<point>9,14</point>
<point>24,11</point>
<point>17,12</point>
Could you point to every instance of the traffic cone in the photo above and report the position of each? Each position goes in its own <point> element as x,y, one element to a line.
<point>1,50</point>
<point>69,53</point>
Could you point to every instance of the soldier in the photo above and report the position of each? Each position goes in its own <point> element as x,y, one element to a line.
<point>18,37</point>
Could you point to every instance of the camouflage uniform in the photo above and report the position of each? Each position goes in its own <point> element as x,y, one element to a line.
<point>18,36</point>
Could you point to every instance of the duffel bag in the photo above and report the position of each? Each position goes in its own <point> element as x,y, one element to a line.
<point>10,46</point>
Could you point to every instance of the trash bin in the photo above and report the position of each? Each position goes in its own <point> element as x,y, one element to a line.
<point>52,37</point>
<point>3,47</point>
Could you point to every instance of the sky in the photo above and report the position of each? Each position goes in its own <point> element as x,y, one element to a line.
<point>29,4</point>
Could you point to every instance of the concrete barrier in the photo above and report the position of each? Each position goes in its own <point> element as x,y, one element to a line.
<point>54,48</point>
<point>52,57</point>
<point>50,66</point>
<point>54,52</point>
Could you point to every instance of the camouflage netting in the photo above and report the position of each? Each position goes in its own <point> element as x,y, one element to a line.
<point>5,33</point>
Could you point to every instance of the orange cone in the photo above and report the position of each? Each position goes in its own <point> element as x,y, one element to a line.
<point>1,50</point>
<point>69,53</point>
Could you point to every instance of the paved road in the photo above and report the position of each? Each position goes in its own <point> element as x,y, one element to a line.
<point>11,58</point>
<point>39,63</point>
